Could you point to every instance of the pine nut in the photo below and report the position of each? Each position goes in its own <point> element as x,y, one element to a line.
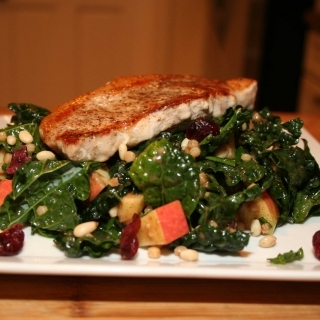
<point>113,212</point>
<point>160,151</point>
<point>122,150</point>
<point>178,249</point>
<point>25,136</point>
<point>11,140</point>
<point>246,157</point>
<point>189,255</point>
<point>45,155</point>
<point>251,185</point>
<point>82,229</point>
<point>31,147</point>
<point>213,223</point>
<point>113,182</point>
<point>41,210</point>
<point>268,241</point>
<point>3,136</point>
<point>193,143</point>
<point>257,117</point>
<point>184,143</point>
<point>129,156</point>
<point>203,178</point>
<point>255,228</point>
<point>230,229</point>
<point>195,152</point>
<point>7,158</point>
<point>147,209</point>
<point>154,252</point>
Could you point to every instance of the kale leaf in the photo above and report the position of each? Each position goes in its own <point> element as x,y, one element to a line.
<point>164,174</point>
<point>98,244</point>
<point>27,113</point>
<point>207,238</point>
<point>287,257</point>
<point>52,184</point>
<point>13,130</point>
<point>230,123</point>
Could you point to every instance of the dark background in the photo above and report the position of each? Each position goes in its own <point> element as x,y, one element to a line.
<point>282,54</point>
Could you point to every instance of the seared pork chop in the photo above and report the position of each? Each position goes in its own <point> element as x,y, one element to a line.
<point>133,109</point>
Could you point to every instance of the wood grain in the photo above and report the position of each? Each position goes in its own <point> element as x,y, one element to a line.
<point>150,298</point>
<point>52,297</point>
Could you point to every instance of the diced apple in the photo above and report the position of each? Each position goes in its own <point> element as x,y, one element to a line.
<point>98,181</point>
<point>263,207</point>
<point>129,205</point>
<point>163,225</point>
<point>5,189</point>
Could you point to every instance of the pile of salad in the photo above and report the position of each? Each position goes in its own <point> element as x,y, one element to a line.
<point>265,158</point>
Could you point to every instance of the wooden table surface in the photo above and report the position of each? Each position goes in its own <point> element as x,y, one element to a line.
<point>63,297</point>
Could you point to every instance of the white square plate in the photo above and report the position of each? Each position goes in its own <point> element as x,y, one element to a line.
<point>40,257</point>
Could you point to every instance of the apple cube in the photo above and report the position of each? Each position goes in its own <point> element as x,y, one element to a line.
<point>263,207</point>
<point>5,189</point>
<point>97,184</point>
<point>163,225</point>
<point>129,205</point>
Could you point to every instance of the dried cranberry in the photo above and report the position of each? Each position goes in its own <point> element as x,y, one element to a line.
<point>316,244</point>
<point>11,240</point>
<point>129,242</point>
<point>19,157</point>
<point>200,128</point>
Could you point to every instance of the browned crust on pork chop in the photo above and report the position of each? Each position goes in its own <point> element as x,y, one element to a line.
<point>92,126</point>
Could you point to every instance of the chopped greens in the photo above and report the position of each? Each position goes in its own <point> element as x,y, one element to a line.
<point>287,257</point>
<point>210,187</point>
<point>27,113</point>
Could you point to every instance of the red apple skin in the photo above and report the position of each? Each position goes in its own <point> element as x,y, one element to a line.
<point>96,185</point>
<point>163,225</point>
<point>173,221</point>
<point>270,203</point>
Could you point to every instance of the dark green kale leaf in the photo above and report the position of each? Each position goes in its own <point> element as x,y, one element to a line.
<point>164,173</point>
<point>214,186</point>
<point>207,238</point>
<point>98,244</point>
<point>53,184</point>
<point>174,137</point>
<point>295,167</point>
<point>270,131</point>
<point>307,200</point>
<point>282,195</point>
<point>287,257</point>
<point>303,205</point>
<point>244,171</point>
<point>26,113</point>
<point>250,193</point>
<point>215,208</point>
<point>291,173</point>
<point>14,130</point>
<point>230,123</point>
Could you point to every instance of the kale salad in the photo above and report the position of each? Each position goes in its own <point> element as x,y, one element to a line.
<point>211,185</point>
